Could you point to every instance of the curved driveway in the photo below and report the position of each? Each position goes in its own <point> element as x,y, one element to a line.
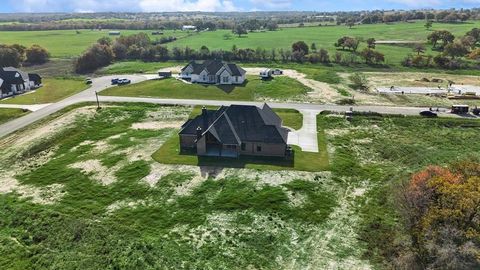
<point>305,138</point>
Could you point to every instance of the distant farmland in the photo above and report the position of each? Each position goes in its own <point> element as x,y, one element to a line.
<point>67,43</point>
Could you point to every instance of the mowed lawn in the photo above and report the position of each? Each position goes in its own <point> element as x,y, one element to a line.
<point>53,90</point>
<point>10,114</point>
<point>280,88</point>
<point>67,43</point>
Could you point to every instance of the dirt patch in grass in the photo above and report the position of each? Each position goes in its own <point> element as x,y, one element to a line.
<point>41,195</point>
<point>157,125</point>
<point>97,171</point>
<point>19,141</point>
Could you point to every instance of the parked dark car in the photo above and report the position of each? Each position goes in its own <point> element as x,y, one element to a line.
<point>124,81</point>
<point>428,114</point>
<point>115,81</point>
<point>476,111</point>
<point>88,81</point>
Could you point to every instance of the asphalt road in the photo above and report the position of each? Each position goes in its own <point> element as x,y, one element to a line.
<point>103,83</point>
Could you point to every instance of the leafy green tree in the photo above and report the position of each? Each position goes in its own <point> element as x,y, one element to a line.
<point>300,46</point>
<point>456,49</point>
<point>9,57</point>
<point>37,55</point>
<point>239,30</point>
<point>428,25</point>
<point>359,81</point>
<point>419,48</point>
<point>371,43</point>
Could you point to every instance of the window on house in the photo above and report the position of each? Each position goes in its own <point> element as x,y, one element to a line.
<point>204,77</point>
<point>236,79</point>
<point>225,79</point>
<point>244,147</point>
<point>259,149</point>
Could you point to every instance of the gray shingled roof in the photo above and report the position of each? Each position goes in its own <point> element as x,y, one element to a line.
<point>213,66</point>
<point>12,75</point>
<point>239,123</point>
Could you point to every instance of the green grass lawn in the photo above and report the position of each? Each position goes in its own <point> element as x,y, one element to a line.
<point>53,90</point>
<point>130,67</point>
<point>169,153</point>
<point>10,114</point>
<point>281,88</point>
<point>66,43</point>
<point>325,37</point>
<point>291,118</point>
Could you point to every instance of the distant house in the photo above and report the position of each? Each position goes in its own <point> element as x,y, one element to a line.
<point>14,81</point>
<point>236,131</point>
<point>189,28</point>
<point>114,33</point>
<point>213,72</point>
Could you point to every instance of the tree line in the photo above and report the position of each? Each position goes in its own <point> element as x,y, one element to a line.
<point>453,52</point>
<point>140,47</point>
<point>16,55</point>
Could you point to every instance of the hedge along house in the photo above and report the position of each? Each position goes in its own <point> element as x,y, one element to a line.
<point>213,72</point>
<point>236,131</point>
<point>14,81</point>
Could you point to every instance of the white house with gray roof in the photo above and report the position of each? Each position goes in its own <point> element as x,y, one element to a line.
<point>213,72</point>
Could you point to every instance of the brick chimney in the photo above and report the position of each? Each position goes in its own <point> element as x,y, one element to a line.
<point>205,117</point>
<point>199,133</point>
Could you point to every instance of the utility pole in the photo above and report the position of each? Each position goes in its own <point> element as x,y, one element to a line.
<point>98,102</point>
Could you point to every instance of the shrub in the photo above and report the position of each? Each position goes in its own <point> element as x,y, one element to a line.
<point>37,55</point>
<point>95,57</point>
<point>359,81</point>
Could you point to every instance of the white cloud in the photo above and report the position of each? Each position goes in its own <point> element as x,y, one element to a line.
<point>417,3</point>
<point>185,5</point>
<point>123,5</point>
<point>272,4</point>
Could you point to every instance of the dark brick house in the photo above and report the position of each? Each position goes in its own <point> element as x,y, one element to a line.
<point>235,131</point>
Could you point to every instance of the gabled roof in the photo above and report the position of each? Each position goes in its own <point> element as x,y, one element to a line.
<point>239,123</point>
<point>236,70</point>
<point>222,129</point>
<point>34,77</point>
<point>12,75</point>
<point>214,66</point>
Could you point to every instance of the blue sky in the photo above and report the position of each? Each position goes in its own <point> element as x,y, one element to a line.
<point>223,5</point>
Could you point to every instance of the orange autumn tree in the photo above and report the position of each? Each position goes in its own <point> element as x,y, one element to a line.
<point>443,214</point>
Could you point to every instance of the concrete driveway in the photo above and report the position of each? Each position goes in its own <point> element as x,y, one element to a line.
<point>306,138</point>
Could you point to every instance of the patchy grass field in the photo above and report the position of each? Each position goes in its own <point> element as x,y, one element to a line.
<point>281,88</point>
<point>10,114</point>
<point>53,90</point>
<point>87,194</point>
